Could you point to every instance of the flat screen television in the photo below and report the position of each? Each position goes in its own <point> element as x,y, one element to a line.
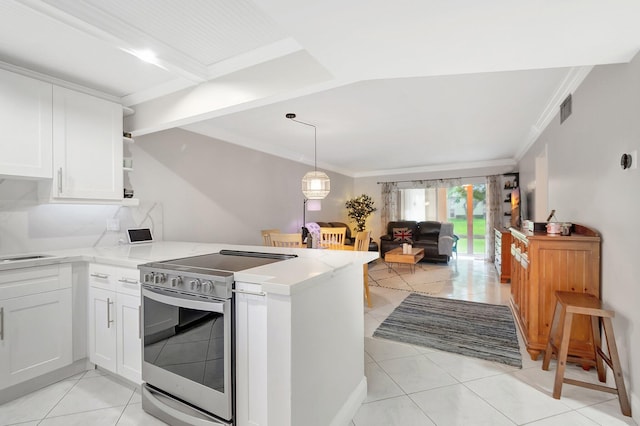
<point>516,219</point>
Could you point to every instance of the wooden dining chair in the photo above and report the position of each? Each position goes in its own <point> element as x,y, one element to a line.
<point>266,235</point>
<point>286,240</point>
<point>332,236</point>
<point>362,244</point>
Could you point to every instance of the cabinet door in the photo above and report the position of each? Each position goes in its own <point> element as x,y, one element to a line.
<point>102,328</point>
<point>251,362</point>
<point>25,126</point>
<point>129,342</point>
<point>36,336</point>
<point>87,147</point>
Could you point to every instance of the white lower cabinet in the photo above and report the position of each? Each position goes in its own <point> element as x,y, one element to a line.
<point>35,322</point>
<point>251,360</point>
<point>114,320</point>
<point>102,328</point>
<point>129,360</point>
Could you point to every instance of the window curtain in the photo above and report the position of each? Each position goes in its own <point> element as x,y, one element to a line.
<point>391,195</point>
<point>389,210</point>
<point>434,183</point>
<point>494,214</point>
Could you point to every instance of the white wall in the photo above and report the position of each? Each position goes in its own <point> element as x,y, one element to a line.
<point>587,186</point>
<point>213,191</point>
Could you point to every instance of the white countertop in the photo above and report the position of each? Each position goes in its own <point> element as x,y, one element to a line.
<point>283,277</point>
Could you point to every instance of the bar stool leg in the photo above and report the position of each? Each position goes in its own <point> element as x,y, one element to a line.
<point>553,330</point>
<point>563,352</point>
<point>365,269</point>
<point>597,345</point>
<point>617,369</point>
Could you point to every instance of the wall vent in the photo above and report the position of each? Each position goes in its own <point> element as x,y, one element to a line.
<point>565,109</point>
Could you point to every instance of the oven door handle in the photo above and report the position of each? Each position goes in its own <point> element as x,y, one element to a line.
<point>175,299</point>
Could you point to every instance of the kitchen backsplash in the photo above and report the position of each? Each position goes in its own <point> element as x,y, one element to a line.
<point>27,226</point>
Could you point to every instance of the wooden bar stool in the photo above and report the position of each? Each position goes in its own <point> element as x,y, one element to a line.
<point>567,305</point>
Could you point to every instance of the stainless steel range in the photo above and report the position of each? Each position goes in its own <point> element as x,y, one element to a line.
<point>188,366</point>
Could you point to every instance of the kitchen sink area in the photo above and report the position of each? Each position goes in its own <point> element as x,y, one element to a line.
<point>22,258</point>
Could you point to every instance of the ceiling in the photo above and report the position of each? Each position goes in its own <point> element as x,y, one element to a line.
<point>411,85</point>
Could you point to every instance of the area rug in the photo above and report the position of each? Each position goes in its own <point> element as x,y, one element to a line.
<point>473,329</point>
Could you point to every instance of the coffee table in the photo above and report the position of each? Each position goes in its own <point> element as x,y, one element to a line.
<point>396,256</point>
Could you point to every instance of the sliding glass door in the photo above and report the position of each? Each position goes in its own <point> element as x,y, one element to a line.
<point>463,206</point>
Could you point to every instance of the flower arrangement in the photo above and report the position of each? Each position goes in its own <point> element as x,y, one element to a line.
<point>359,209</point>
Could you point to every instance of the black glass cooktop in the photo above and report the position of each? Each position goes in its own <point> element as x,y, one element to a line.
<point>226,260</point>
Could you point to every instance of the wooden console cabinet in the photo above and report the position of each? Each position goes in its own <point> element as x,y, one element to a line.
<point>541,264</point>
<point>503,254</point>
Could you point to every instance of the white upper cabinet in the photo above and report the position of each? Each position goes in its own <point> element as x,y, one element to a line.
<point>87,147</point>
<point>25,126</point>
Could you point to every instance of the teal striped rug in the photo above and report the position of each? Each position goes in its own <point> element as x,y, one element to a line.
<point>473,329</point>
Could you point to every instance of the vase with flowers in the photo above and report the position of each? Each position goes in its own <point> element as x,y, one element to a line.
<point>359,209</point>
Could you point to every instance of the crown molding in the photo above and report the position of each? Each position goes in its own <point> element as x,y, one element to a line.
<point>575,76</point>
<point>58,82</point>
<point>509,163</point>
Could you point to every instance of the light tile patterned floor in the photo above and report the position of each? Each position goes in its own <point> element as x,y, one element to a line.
<point>407,385</point>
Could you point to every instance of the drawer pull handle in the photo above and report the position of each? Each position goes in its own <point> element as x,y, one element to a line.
<point>109,320</point>
<point>1,323</point>
<point>128,281</point>
<point>252,293</point>
<point>102,276</point>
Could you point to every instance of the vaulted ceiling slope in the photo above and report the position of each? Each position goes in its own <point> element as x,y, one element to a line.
<point>410,85</point>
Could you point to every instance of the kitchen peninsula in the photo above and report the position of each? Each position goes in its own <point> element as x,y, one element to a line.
<point>299,347</point>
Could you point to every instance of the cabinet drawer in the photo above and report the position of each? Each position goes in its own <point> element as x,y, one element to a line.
<point>128,281</point>
<point>38,279</point>
<point>115,278</point>
<point>102,276</point>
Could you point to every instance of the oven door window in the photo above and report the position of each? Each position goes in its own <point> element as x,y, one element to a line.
<point>186,340</point>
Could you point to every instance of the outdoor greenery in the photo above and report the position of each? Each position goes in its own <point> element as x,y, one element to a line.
<point>479,231</point>
<point>460,226</point>
<point>478,245</point>
<point>359,209</point>
<point>459,194</point>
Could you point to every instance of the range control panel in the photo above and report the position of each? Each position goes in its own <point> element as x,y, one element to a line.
<point>195,284</point>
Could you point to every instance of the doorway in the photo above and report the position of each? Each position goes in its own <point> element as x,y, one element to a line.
<point>464,206</point>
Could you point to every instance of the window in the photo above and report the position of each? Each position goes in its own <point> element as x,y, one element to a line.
<point>450,205</point>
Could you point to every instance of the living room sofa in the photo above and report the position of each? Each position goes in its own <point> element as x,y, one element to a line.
<point>436,238</point>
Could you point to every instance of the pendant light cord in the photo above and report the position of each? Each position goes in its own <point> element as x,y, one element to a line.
<point>292,117</point>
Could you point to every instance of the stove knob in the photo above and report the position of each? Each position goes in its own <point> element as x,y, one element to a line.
<point>158,278</point>
<point>207,287</point>
<point>176,281</point>
<point>148,278</point>
<point>195,284</point>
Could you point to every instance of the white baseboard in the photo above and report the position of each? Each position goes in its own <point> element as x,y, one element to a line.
<point>635,407</point>
<point>351,405</point>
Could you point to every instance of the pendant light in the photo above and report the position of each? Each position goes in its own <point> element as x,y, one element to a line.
<point>315,185</point>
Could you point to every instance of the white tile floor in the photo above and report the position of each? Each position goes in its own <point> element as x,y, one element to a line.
<point>410,385</point>
<point>407,385</point>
